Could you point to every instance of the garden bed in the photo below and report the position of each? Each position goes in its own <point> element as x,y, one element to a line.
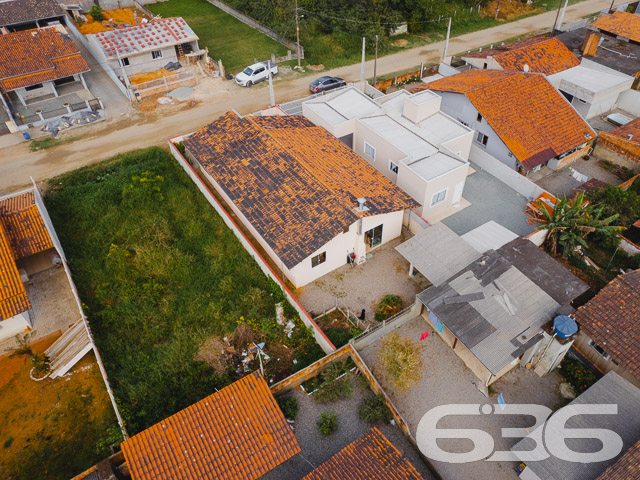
<point>173,299</point>
<point>339,328</point>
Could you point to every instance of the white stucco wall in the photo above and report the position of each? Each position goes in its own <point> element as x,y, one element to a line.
<point>345,128</point>
<point>46,89</point>
<point>13,326</point>
<point>385,151</point>
<point>480,62</point>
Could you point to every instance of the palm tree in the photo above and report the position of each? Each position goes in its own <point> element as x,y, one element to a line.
<point>570,222</point>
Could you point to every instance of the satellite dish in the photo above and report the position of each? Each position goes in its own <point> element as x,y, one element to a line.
<point>525,68</point>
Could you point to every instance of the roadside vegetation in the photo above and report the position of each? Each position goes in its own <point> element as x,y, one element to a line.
<point>227,38</point>
<point>175,303</point>
<point>49,142</point>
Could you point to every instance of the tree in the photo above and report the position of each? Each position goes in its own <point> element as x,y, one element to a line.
<point>570,222</point>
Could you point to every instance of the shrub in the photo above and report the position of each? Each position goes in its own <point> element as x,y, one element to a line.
<point>40,363</point>
<point>289,406</point>
<point>333,388</point>
<point>374,410</point>
<point>388,307</point>
<point>338,336</point>
<point>96,13</point>
<point>577,375</point>
<point>634,261</point>
<point>180,147</point>
<point>401,360</point>
<point>328,423</point>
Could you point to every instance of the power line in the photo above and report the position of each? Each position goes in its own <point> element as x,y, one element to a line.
<point>441,17</point>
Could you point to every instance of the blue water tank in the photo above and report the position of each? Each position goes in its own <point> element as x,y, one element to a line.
<point>564,326</point>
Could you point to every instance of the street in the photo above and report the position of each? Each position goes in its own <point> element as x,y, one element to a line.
<point>118,135</point>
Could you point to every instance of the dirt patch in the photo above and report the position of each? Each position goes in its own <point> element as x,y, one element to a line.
<point>212,352</point>
<point>509,9</point>
<point>316,68</point>
<point>123,17</point>
<point>148,76</point>
<point>401,42</point>
<point>11,365</point>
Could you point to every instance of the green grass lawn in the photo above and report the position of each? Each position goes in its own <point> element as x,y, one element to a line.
<point>159,273</point>
<point>228,39</point>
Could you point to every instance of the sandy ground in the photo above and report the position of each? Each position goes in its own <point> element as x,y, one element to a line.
<point>447,380</point>
<point>363,286</point>
<point>101,141</point>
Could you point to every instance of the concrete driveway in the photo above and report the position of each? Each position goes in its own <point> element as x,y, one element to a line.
<point>446,380</point>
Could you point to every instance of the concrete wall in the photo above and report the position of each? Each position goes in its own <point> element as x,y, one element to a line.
<point>15,325</point>
<point>459,107</point>
<point>46,89</point>
<point>480,63</point>
<point>461,144</point>
<point>519,183</point>
<point>618,150</point>
<point>450,181</point>
<point>385,151</point>
<point>144,62</point>
<point>629,101</point>
<point>344,128</point>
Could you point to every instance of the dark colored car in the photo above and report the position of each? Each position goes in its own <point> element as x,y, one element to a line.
<point>324,84</point>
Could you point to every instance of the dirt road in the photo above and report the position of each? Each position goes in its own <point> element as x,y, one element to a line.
<point>18,164</point>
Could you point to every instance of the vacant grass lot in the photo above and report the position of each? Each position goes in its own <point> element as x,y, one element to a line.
<point>237,44</point>
<point>160,273</point>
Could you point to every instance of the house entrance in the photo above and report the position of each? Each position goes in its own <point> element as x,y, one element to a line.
<point>373,237</point>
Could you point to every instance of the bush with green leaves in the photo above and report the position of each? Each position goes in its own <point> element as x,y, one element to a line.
<point>332,388</point>
<point>328,423</point>
<point>289,406</point>
<point>388,307</point>
<point>577,375</point>
<point>374,410</point>
<point>338,336</point>
<point>96,13</point>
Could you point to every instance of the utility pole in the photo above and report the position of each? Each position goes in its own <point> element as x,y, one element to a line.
<point>375,65</point>
<point>272,95</point>
<point>298,34</point>
<point>446,43</point>
<point>553,30</point>
<point>362,67</point>
<point>564,9</point>
<point>497,10</point>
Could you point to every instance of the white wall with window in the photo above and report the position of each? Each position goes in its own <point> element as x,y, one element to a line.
<point>369,151</point>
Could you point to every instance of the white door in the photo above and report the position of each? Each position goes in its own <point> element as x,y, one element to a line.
<point>457,193</point>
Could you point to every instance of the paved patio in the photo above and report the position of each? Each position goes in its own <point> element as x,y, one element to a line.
<point>560,182</point>
<point>446,380</point>
<point>317,449</point>
<point>363,286</point>
<point>490,199</point>
<point>53,305</point>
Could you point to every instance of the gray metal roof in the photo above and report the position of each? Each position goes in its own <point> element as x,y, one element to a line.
<point>504,322</point>
<point>438,253</point>
<point>489,236</point>
<point>611,388</point>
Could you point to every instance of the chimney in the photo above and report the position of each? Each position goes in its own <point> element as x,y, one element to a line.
<point>590,44</point>
<point>361,205</point>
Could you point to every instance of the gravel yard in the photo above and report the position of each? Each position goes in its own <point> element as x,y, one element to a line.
<point>446,380</point>
<point>316,449</point>
<point>363,286</point>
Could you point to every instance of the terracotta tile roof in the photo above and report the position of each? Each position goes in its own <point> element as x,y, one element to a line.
<point>35,56</point>
<point>145,37</point>
<point>295,183</point>
<point>622,24</point>
<point>23,11</point>
<point>371,457</point>
<point>236,433</point>
<point>612,320</point>
<point>632,128</point>
<point>627,467</point>
<point>591,184</point>
<point>541,54</point>
<point>534,121</point>
<point>24,225</point>
<point>13,296</point>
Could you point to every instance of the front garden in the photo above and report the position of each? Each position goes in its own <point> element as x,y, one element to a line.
<point>178,308</point>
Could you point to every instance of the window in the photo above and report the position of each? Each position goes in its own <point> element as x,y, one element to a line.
<point>369,151</point>
<point>479,117</point>
<point>439,197</point>
<point>124,62</point>
<point>482,138</point>
<point>582,101</point>
<point>156,54</point>
<point>484,67</point>
<point>259,70</point>
<point>599,349</point>
<point>393,167</point>
<point>33,87</point>
<point>510,154</point>
<point>318,259</point>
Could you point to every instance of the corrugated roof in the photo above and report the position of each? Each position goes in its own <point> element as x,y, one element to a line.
<point>24,11</point>
<point>622,24</point>
<point>145,37</point>
<point>34,56</point>
<point>489,236</point>
<point>236,433</point>
<point>295,183</point>
<point>610,389</point>
<point>529,115</point>
<point>612,320</point>
<point>370,457</point>
<point>437,253</point>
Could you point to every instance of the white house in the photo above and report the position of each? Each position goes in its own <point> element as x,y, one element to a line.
<point>591,88</point>
<point>406,138</point>
<point>307,199</point>
<point>145,47</point>
<point>519,118</point>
